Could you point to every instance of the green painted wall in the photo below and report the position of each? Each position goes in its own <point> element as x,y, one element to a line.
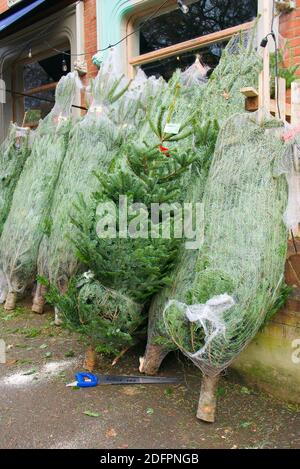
<point>267,363</point>
<point>110,14</point>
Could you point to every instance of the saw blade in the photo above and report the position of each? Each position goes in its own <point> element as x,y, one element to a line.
<point>114,379</point>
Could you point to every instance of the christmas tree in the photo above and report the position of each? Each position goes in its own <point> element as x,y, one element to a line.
<point>93,144</point>
<point>13,153</point>
<point>153,166</point>
<point>27,219</point>
<point>239,66</point>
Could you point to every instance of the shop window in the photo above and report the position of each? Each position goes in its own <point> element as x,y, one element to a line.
<point>205,29</point>
<point>38,78</point>
<point>210,56</point>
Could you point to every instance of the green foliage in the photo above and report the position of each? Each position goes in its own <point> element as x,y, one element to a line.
<point>93,145</point>
<point>140,267</point>
<point>243,254</point>
<point>109,320</point>
<point>149,166</point>
<point>14,151</point>
<point>239,66</point>
<point>186,336</point>
<point>31,203</point>
<point>280,300</point>
<point>210,283</point>
<point>288,72</point>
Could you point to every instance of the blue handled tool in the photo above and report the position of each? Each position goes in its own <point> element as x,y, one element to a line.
<point>88,380</point>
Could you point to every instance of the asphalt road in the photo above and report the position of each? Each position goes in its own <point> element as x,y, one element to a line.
<point>38,411</point>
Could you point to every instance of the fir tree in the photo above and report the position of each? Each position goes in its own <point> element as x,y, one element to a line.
<point>152,166</point>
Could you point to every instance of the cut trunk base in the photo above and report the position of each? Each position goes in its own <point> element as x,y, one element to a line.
<point>151,361</point>
<point>90,360</point>
<point>10,303</point>
<point>208,398</point>
<point>57,317</point>
<point>39,299</point>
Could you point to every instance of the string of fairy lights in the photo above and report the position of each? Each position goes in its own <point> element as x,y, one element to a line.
<point>181,4</point>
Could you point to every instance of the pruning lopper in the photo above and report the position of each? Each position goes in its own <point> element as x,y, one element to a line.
<point>88,380</point>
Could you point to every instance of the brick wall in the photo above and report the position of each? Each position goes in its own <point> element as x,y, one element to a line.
<point>90,37</point>
<point>3,5</point>
<point>290,29</point>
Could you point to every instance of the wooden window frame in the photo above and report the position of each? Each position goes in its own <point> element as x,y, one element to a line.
<point>31,91</point>
<point>176,49</point>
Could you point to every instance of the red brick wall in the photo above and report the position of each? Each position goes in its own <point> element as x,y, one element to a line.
<point>3,5</point>
<point>290,29</point>
<point>90,29</point>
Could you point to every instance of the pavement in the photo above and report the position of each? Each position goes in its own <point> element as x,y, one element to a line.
<point>37,410</point>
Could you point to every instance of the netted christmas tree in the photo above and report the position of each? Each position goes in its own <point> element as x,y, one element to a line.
<point>129,264</point>
<point>93,145</point>
<point>27,220</point>
<point>13,153</point>
<point>238,67</point>
<point>239,273</point>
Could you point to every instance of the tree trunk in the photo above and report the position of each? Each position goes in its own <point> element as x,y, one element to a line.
<point>57,317</point>
<point>39,299</point>
<point>151,361</point>
<point>90,360</point>
<point>10,303</point>
<point>63,287</point>
<point>208,398</point>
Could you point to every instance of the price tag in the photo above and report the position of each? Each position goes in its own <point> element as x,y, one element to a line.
<point>172,128</point>
<point>22,132</point>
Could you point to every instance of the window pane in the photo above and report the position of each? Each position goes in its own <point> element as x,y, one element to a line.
<point>210,55</point>
<point>204,17</point>
<point>45,71</point>
<point>36,102</point>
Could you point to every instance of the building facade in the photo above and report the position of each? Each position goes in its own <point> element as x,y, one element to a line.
<point>53,37</point>
<point>36,49</point>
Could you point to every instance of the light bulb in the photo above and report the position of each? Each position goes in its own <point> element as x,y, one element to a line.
<point>183,7</point>
<point>30,53</point>
<point>64,66</point>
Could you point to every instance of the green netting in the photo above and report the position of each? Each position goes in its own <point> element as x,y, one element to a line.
<point>238,67</point>
<point>31,202</point>
<point>13,154</point>
<point>136,267</point>
<point>181,279</point>
<point>239,271</point>
<point>106,318</point>
<point>93,143</point>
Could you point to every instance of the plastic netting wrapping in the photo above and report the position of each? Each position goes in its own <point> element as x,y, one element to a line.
<point>13,153</point>
<point>239,271</point>
<point>159,342</point>
<point>221,97</point>
<point>144,171</point>
<point>239,67</point>
<point>195,74</point>
<point>92,145</point>
<point>32,198</point>
<point>107,318</point>
<point>100,138</point>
